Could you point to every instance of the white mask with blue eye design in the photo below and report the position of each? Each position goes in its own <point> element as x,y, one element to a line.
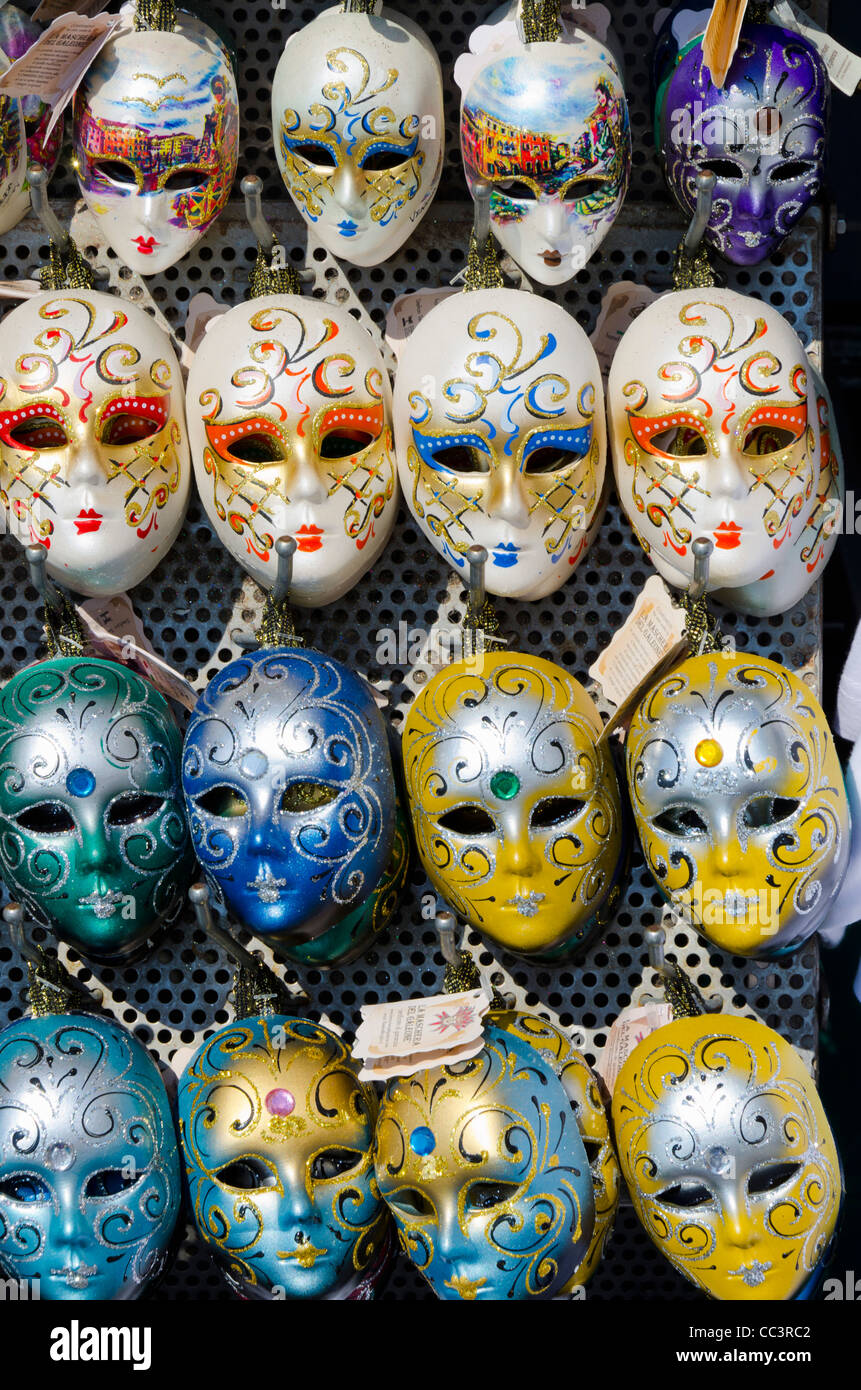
<point>501,438</point>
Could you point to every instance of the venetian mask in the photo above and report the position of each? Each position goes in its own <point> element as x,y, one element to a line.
<point>483,1167</point>
<point>501,437</point>
<point>515,804</point>
<point>546,126</point>
<point>763,134</point>
<point>357,113</point>
<point>156,134</point>
<point>289,416</point>
<point>721,428</point>
<point>90,1184</point>
<point>290,791</point>
<point>92,828</point>
<point>277,1133</point>
<point>23,124</point>
<point>728,1156</point>
<point>92,437</point>
<point>739,800</point>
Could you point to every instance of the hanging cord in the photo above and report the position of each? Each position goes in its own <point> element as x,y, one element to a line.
<point>482,266</point>
<point>277,627</point>
<point>258,993</point>
<point>701,626</point>
<point>50,986</point>
<point>693,272</point>
<point>268,279</point>
<point>540,20</point>
<point>66,270</point>
<point>682,995</point>
<point>759,12</point>
<point>358,6</point>
<point>64,633</point>
<point>155,14</point>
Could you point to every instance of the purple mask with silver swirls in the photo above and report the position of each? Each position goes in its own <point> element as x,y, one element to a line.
<point>763,135</point>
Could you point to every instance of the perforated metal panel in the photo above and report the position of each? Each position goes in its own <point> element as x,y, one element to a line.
<point>179,995</point>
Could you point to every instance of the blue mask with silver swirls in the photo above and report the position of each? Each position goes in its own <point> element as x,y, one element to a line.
<point>90,1184</point>
<point>290,791</point>
<point>93,838</point>
<point>277,1133</point>
<point>483,1166</point>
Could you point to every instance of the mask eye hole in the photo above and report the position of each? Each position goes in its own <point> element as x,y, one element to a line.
<point>580,189</point>
<point>300,797</point>
<point>110,1182</point>
<point>790,171</point>
<point>681,443</point>
<point>40,433</point>
<point>484,1195</point>
<point>225,802</point>
<point>681,821</point>
<point>129,429</point>
<point>468,821</point>
<point>25,1187</point>
<point>184,179</point>
<point>685,1195</point>
<point>518,189</point>
<point>462,458</point>
<point>319,155</point>
<point>553,810</point>
<point>248,1174</point>
<point>550,460</point>
<point>46,818</point>
<point>774,1175</point>
<point>724,169</point>
<point>593,1149</point>
<point>412,1202</point>
<point>115,171</point>
<point>765,811</point>
<point>258,448</point>
<point>767,439</point>
<point>343,444</point>
<point>333,1163</point>
<point>378,161</point>
<point>133,809</point>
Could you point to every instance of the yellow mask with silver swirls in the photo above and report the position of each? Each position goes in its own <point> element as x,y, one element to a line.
<point>728,1156</point>
<point>739,800</point>
<point>515,804</point>
<point>484,1168</point>
<point>277,1130</point>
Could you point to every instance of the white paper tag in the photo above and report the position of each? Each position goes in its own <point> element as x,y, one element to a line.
<point>844,67</point>
<point>19,289</point>
<point>116,630</point>
<point>411,1035</point>
<point>634,1023</point>
<point>53,68</point>
<point>49,10</point>
<point>408,310</point>
<point>652,634</point>
<point>202,310</point>
<point>622,303</point>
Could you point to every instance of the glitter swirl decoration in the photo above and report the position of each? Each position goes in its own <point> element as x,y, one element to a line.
<point>516,808</point>
<point>739,801</point>
<point>290,791</point>
<point>277,1131</point>
<point>93,836</point>
<point>728,1156</point>
<point>90,1185</point>
<point>483,1167</point>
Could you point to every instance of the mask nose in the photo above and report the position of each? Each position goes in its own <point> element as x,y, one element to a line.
<point>518,855</point>
<point>349,187</point>
<point>95,855</point>
<point>296,1209</point>
<point>753,200</point>
<point>738,1227</point>
<point>727,856</point>
<point>69,1229</point>
<point>507,500</point>
<point>451,1243</point>
<point>85,468</point>
<point>304,483</point>
<point>552,219</point>
<point>729,478</point>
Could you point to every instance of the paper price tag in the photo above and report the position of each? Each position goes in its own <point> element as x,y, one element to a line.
<point>634,1024</point>
<point>622,303</point>
<point>844,67</point>
<point>407,312</point>
<point>53,68</point>
<point>49,10</point>
<point>115,630</point>
<point>652,637</point>
<point>411,1035</point>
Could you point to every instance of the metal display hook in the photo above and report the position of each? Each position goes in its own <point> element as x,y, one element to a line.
<point>285,548</point>
<point>702,552</point>
<point>38,178</point>
<point>706,182</point>
<point>267,238</point>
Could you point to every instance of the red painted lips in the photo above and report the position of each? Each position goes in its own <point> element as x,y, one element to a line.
<point>146,244</point>
<point>728,535</point>
<point>308,538</point>
<point>87,520</point>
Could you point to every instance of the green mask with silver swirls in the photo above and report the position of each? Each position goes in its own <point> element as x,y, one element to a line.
<point>93,837</point>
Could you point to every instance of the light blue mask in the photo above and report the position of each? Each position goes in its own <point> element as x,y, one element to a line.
<point>277,1133</point>
<point>290,791</point>
<point>89,1167</point>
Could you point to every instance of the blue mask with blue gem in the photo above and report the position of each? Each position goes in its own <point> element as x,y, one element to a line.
<point>290,791</point>
<point>89,1168</point>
